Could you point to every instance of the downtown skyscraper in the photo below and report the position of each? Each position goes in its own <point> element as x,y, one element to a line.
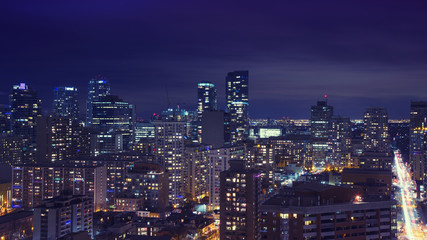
<point>321,115</point>
<point>97,89</point>
<point>237,103</point>
<point>206,102</point>
<point>65,102</point>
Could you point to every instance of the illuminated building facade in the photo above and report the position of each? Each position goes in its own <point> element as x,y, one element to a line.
<point>65,102</point>
<point>237,103</point>
<point>60,138</point>
<point>340,154</point>
<point>11,149</point>
<point>25,108</point>
<point>63,215</point>
<point>219,162</point>
<point>196,174</point>
<point>114,120</point>
<point>261,157</point>
<point>240,202</point>
<point>376,135</point>
<point>320,120</point>
<point>149,182</point>
<point>5,119</point>
<point>170,153</point>
<point>206,101</point>
<point>31,184</point>
<point>98,88</point>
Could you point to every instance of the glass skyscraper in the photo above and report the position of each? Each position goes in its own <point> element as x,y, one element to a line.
<point>98,88</point>
<point>237,100</point>
<point>65,102</point>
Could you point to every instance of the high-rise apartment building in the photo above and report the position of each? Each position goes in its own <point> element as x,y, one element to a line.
<point>169,152</point>
<point>218,162</point>
<point>196,171</point>
<point>206,101</point>
<point>237,103</point>
<point>321,115</point>
<point>33,183</point>
<point>376,135</point>
<point>65,102</point>
<point>340,154</point>
<point>97,89</point>
<point>62,215</point>
<point>240,202</point>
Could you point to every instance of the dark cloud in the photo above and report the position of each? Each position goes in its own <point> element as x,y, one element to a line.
<point>360,53</point>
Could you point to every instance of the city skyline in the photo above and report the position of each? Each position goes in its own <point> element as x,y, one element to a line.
<point>359,54</point>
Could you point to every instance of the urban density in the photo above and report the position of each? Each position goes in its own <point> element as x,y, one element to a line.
<point>99,157</point>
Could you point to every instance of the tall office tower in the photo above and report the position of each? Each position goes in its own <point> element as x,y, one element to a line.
<point>240,202</point>
<point>237,100</point>
<point>375,135</point>
<point>60,138</point>
<point>196,171</point>
<point>206,101</point>
<point>341,141</point>
<point>33,183</point>
<point>169,152</point>
<point>114,119</point>
<point>25,108</point>
<point>317,211</point>
<point>320,120</point>
<point>5,119</point>
<point>97,89</point>
<point>63,215</point>
<point>418,140</point>
<point>65,102</point>
<point>218,162</point>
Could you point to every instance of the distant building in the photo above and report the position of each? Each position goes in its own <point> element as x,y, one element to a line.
<point>25,108</point>
<point>114,120</point>
<point>376,160</point>
<point>60,138</point>
<point>98,88</point>
<point>11,149</point>
<point>321,115</point>
<point>32,184</point>
<point>65,102</point>
<point>149,182</point>
<point>376,135</point>
<point>144,130</point>
<point>237,103</point>
<point>240,202</point>
<point>340,154</point>
<point>62,215</point>
<point>206,101</point>
<point>317,211</point>
<point>5,119</point>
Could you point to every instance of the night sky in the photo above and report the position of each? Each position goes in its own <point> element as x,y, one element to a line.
<point>360,53</point>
